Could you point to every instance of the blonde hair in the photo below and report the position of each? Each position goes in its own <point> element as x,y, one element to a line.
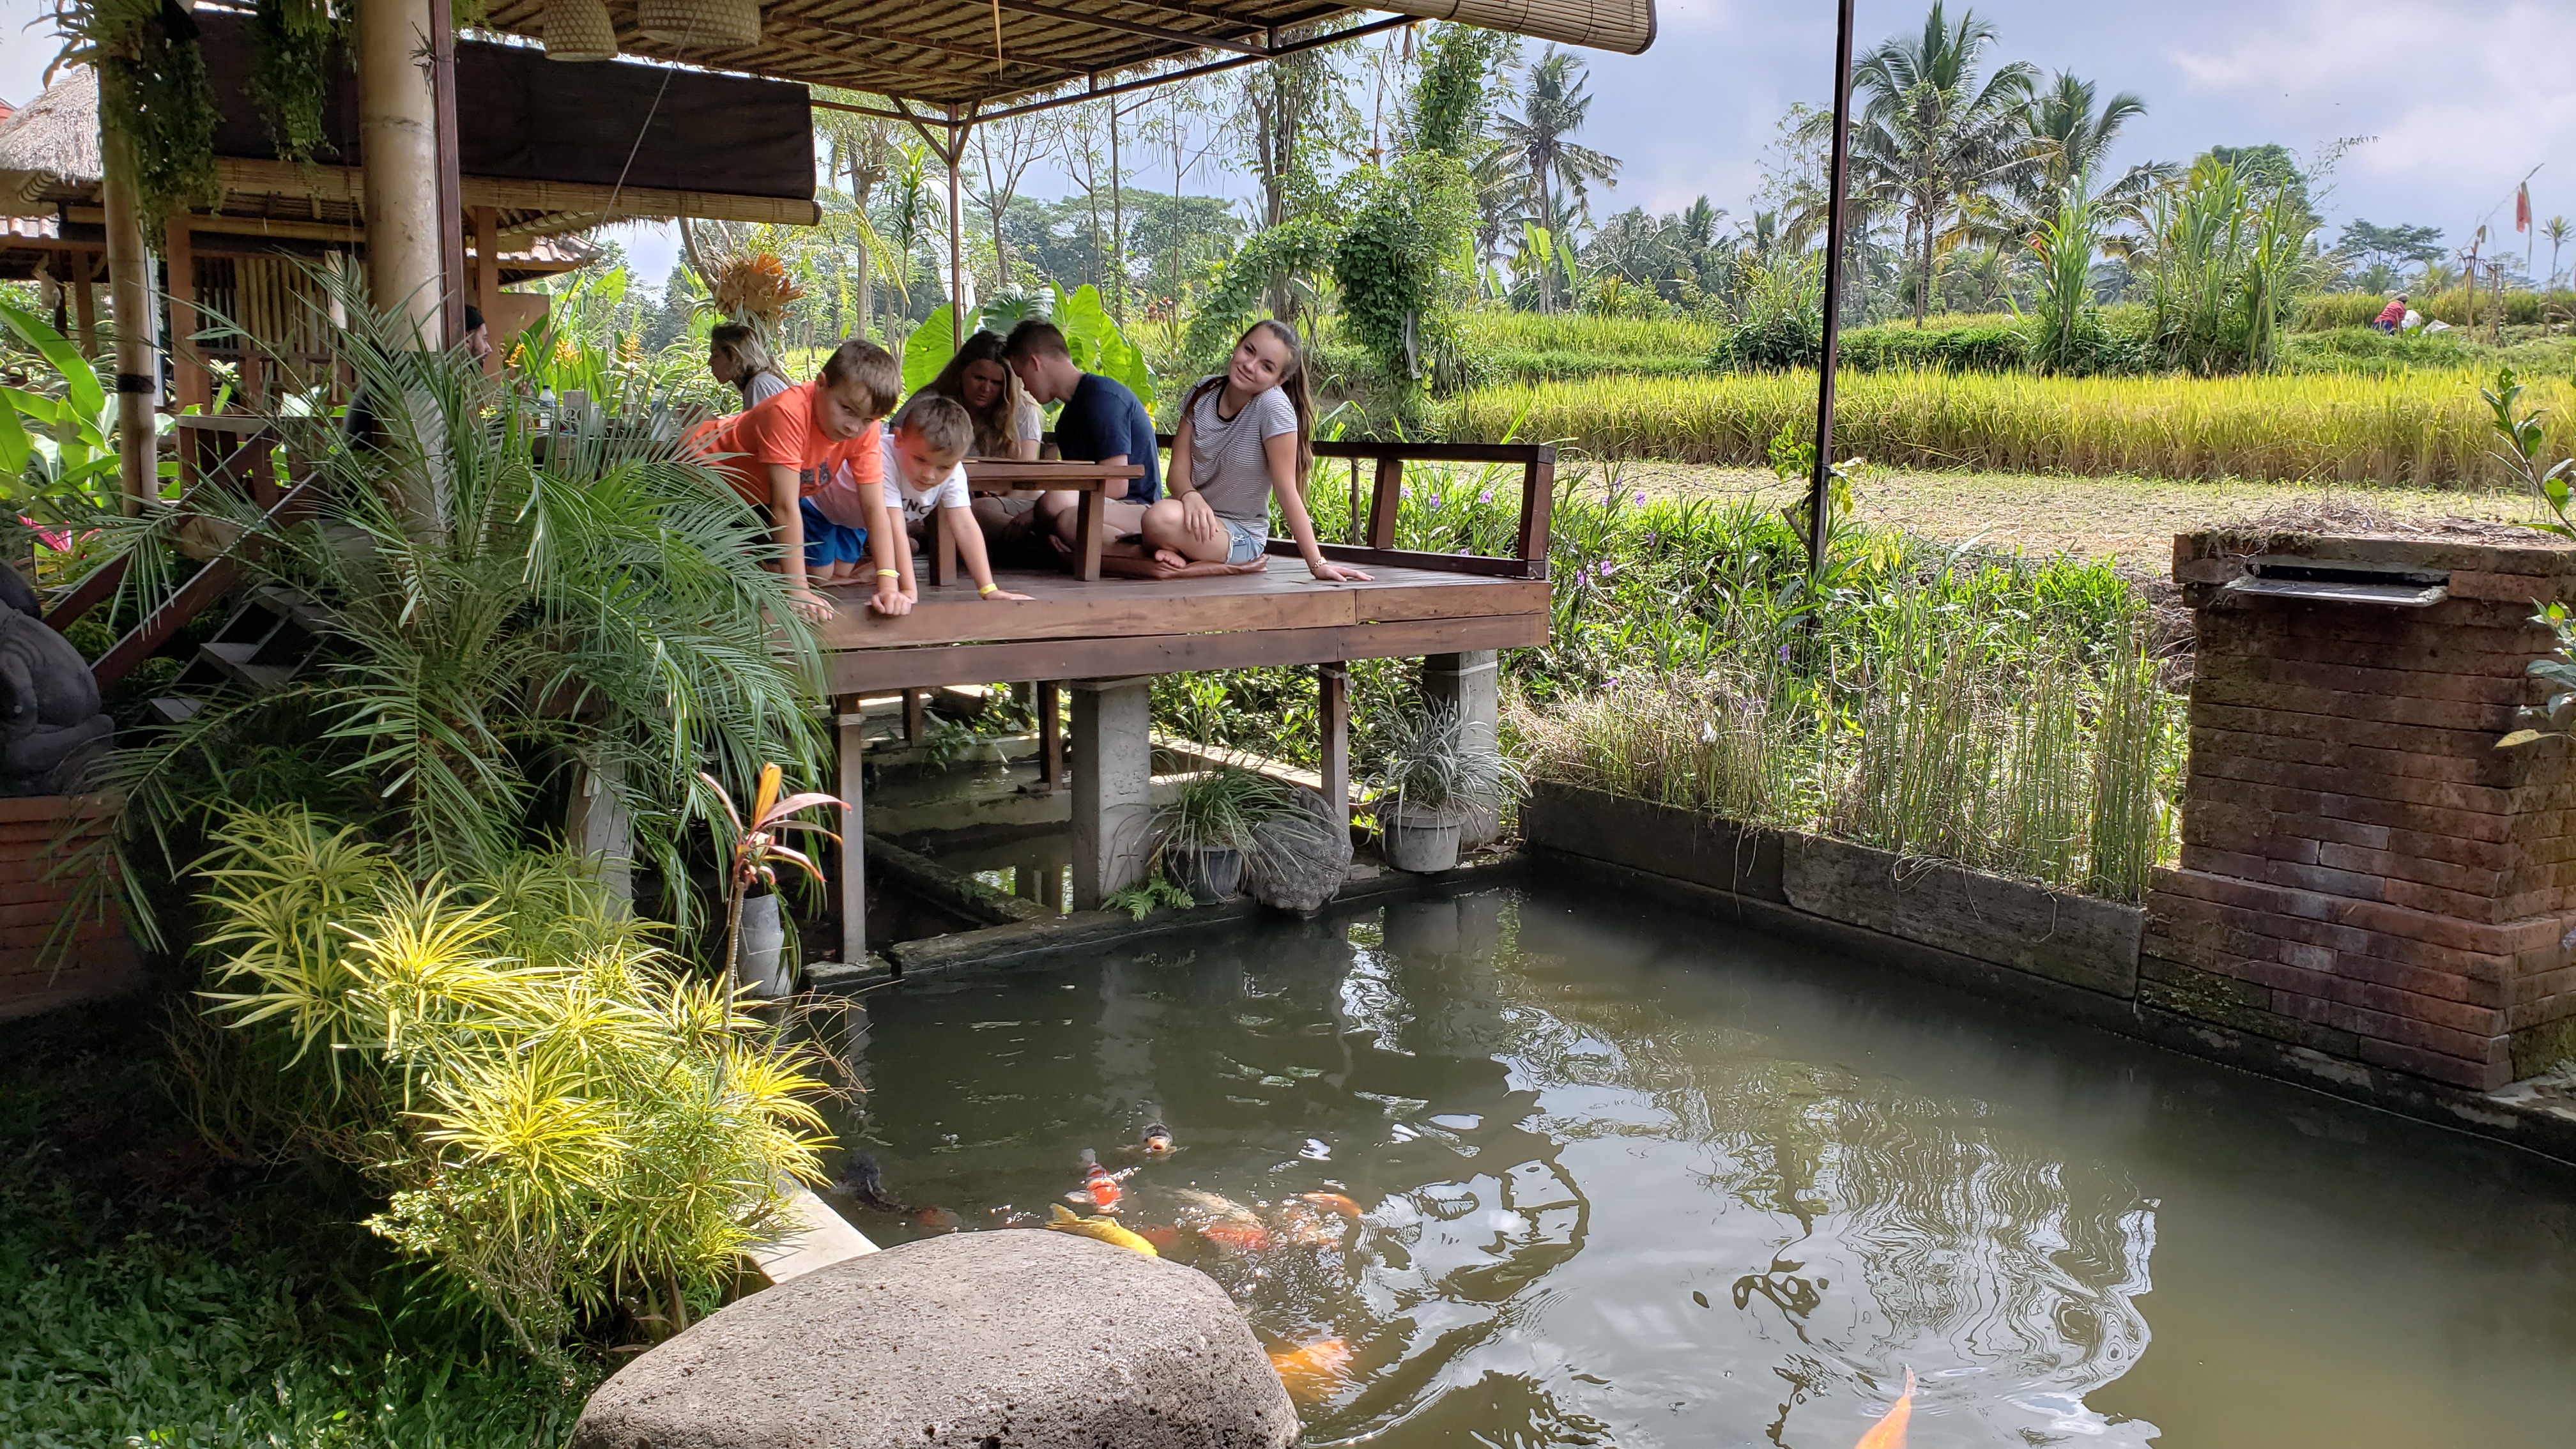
<point>940,421</point>
<point>751,356</point>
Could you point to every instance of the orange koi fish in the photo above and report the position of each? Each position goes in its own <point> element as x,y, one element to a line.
<point>1332,1202</point>
<point>1889,1431</point>
<point>1222,1221</point>
<point>1311,1373</point>
<point>1100,1187</point>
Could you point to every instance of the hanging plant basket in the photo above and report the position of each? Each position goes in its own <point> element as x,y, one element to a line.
<point>579,30</point>
<point>700,24</point>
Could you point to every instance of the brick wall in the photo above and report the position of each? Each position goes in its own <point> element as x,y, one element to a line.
<point>2362,871</point>
<point>101,960</point>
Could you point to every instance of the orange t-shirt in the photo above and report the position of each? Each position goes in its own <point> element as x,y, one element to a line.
<point>783,430</point>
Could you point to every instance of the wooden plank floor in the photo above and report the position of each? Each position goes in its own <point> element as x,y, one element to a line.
<point>1074,630</point>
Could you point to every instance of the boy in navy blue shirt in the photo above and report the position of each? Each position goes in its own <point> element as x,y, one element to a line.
<point>1102,422</point>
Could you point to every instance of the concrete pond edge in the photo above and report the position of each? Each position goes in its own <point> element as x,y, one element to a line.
<point>2071,956</point>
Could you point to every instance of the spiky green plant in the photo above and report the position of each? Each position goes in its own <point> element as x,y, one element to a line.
<point>504,603</point>
<point>563,1118</point>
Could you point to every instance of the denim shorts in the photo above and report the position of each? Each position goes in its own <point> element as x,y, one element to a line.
<point>1245,541</point>
<point>828,543</point>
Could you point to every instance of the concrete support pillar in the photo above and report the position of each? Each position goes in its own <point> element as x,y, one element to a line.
<point>398,145</point>
<point>1113,778</point>
<point>597,824</point>
<point>854,837</point>
<point>129,299</point>
<point>1471,684</point>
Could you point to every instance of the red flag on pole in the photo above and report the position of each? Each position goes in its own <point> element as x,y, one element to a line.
<point>2522,207</point>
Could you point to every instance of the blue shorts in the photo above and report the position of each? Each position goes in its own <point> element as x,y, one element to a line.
<point>1245,541</point>
<point>828,543</point>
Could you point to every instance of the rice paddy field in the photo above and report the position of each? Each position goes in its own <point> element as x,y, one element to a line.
<point>2424,428</point>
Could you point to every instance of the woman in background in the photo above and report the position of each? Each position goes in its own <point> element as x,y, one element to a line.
<point>736,355</point>
<point>1007,421</point>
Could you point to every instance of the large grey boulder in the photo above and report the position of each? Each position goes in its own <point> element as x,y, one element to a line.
<point>1019,1339</point>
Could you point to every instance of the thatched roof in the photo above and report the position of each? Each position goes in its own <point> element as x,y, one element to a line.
<point>983,55</point>
<point>51,143</point>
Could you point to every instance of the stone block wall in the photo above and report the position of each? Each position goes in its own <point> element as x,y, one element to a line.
<point>101,959</point>
<point>2363,872</point>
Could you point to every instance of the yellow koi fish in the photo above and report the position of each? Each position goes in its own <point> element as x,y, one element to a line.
<point>1889,1431</point>
<point>1313,1373</point>
<point>1099,1229</point>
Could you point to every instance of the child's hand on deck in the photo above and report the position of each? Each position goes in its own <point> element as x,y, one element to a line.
<point>813,607</point>
<point>890,601</point>
<point>1333,573</point>
<point>1005,596</point>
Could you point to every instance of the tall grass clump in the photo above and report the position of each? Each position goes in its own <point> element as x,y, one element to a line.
<point>2421,427</point>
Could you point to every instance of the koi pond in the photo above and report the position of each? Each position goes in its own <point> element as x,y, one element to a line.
<point>1522,1169</point>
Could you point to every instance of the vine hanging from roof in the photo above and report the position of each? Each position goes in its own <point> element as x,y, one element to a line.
<point>290,81</point>
<point>153,96</point>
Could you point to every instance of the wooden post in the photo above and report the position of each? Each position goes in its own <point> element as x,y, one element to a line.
<point>1837,183</point>
<point>190,386</point>
<point>916,724</point>
<point>398,146</point>
<point>1333,718</point>
<point>1538,504</point>
<point>957,130</point>
<point>487,279</point>
<point>451,186</point>
<point>854,836</point>
<point>1050,737</point>
<point>1113,778</point>
<point>1384,502</point>
<point>85,304</point>
<point>129,292</point>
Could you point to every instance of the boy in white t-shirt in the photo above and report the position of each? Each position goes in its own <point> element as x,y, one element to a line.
<point>925,445</point>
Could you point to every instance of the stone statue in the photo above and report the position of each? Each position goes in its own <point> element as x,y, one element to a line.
<point>50,724</point>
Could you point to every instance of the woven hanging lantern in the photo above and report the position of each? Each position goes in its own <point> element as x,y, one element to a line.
<point>579,30</point>
<point>700,24</point>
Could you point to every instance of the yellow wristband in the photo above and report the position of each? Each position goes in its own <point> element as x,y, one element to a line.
<point>888,574</point>
<point>989,589</point>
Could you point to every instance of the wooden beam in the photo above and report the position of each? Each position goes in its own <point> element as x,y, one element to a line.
<point>1050,738</point>
<point>773,24</point>
<point>875,671</point>
<point>1132,27</point>
<point>191,387</point>
<point>854,835</point>
<point>573,198</point>
<point>1384,501</point>
<point>452,280</point>
<point>1333,722</point>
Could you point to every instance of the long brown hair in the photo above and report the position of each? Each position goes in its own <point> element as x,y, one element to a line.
<point>993,424</point>
<point>1292,381</point>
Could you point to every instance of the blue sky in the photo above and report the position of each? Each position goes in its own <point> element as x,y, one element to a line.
<point>2458,96</point>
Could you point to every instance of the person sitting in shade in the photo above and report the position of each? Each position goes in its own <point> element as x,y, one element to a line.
<point>923,463</point>
<point>1102,422</point>
<point>738,358</point>
<point>777,455</point>
<point>1246,436</point>
<point>2392,316</point>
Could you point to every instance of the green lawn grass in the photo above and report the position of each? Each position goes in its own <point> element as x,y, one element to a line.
<point>154,1294</point>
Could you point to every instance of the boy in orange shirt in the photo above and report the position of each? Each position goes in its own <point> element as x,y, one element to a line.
<point>778,454</point>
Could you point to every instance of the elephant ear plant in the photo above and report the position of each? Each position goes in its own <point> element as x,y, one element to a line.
<point>1434,774</point>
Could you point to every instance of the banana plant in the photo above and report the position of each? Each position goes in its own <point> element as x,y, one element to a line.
<point>57,448</point>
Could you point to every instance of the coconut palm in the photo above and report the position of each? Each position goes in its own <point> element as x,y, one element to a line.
<point>1935,137</point>
<point>1540,136</point>
<point>2556,229</point>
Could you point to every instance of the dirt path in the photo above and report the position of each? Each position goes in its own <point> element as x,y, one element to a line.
<point>2133,518</point>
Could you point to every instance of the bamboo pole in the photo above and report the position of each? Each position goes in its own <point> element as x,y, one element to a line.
<point>129,298</point>
<point>398,141</point>
<point>189,385</point>
<point>956,152</point>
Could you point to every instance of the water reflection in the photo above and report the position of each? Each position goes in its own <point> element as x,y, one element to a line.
<point>1604,1193</point>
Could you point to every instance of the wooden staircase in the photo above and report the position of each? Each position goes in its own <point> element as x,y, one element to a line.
<point>272,632</point>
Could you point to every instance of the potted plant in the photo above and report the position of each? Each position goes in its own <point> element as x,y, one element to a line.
<point>755,933</point>
<point>1431,778</point>
<point>1212,827</point>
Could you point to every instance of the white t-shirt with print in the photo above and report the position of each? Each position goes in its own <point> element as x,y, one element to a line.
<point>839,498</point>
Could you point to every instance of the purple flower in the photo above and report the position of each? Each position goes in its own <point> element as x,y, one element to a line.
<point>1784,653</point>
<point>1641,498</point>
<point>1485,497</point>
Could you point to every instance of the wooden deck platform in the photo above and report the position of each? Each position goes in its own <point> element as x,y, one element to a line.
<point>1117,627</point>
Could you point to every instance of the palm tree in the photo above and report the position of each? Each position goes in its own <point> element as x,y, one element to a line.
<point>2556,229</point>
<point>1552,110</point>
<point>1934,137</point>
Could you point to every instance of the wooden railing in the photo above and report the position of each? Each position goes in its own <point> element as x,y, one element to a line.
<point>1375,543</point>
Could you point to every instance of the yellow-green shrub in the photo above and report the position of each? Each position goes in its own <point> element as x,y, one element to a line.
<point>2424,427</point>
<point>561,1118</point>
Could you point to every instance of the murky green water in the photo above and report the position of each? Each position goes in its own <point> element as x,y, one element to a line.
<point>1638,1179</point>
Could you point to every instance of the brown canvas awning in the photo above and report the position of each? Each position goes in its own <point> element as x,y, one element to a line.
<point>989,53</point>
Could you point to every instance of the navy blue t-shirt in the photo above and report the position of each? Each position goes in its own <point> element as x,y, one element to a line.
<point>1103,420</point>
